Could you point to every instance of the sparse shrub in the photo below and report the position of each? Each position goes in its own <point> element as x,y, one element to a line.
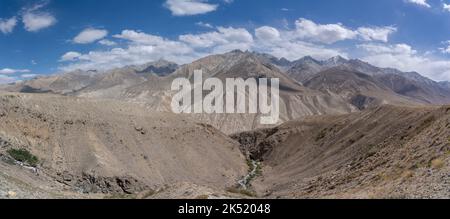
<point>408,174</point>
<point>23,156</point>
<point>437,163</point>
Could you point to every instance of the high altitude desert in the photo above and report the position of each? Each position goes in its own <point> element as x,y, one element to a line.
<point>347,129</point>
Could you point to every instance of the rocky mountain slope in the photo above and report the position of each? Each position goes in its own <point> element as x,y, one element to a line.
<point>387,152</point>
<point>408,84</point>
<point>153,91</point>
<point>108,147</point>
<point>360,90</point>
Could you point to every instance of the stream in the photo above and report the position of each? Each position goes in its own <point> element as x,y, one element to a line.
<point>244,182</point>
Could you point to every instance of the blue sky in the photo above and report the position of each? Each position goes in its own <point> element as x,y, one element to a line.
<point>50,36</point>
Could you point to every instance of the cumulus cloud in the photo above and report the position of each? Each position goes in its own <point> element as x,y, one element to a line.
<point>405,58</point>
<point>13,71</point>
<point>37,21</point>
<point>70,56</point>
<point>203,24</point>
<point>446,7</point>
<point>376,33</point>
<point>90,35</point>
<point>140,37</point>
<point>267,33</point>
<point>222,40</point>
<point>293,50</point>
<point>137,47</point>
<point>189,7</point>
<point>140,48</point>
<point>7,25</point>
<point>331,33</point>
<point>422,3</point>
<point>143,47</point>
<point>446,49</point>
<point>307,37</point>
<point>106,42</point>
<point>287,44</point>
<point>327,33</point>
<point>391,49</point>
<point>34,19</point>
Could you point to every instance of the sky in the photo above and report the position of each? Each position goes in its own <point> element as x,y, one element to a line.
<point>40,37</point>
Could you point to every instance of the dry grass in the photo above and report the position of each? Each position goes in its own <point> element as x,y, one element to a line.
<point>437,163</point>
<point>407,174</point>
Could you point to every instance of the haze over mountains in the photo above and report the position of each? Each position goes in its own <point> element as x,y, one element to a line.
<point>347,129</point>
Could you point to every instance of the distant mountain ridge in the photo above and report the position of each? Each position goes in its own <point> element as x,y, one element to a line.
<point>410,84</point>
<point>308,86</point>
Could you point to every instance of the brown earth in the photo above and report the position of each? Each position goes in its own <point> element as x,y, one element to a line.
<point>106,147</point>
<point>387,152</point>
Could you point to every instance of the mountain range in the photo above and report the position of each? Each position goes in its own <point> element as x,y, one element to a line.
<point>347,129</point>
<point>308,86</point>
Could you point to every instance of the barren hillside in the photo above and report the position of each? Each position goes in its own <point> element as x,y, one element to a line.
<point>101,146</point>
<point>386,152</point>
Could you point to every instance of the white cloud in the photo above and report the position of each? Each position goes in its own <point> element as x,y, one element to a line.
<point>331,33</point>
<point>189,7</point>
<point>446,7</point>
<point>391,49</point>
<point>308,35</point>
<point>6,79</point>
<point>267,33</point>
<point>7,25</point>
<point>206,25</point>
<point>106,42</point>
<point>138,47</point>
<point>286,44</point>
<point>13,71</point>
<point>140,37</point>
<point>223,39</point>
<point>376,33</point>
<point>70,56</point>
<point>293,50</point>
<point>90,35</point>
<point>422,3</point>
<point>327,33</point>
<point>29,76</point>
<point>35,20</point>
<point>141,48</point>
<point>446,49</point>
<point>405,58</point>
